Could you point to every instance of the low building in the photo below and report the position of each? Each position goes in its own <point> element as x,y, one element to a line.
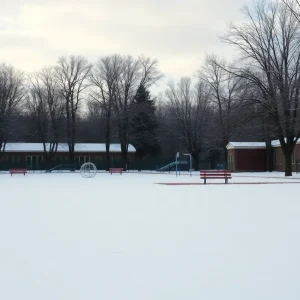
<point>278,157</point>
<point>246,157</point>
<point>31,155</point>
<point>251,156</point>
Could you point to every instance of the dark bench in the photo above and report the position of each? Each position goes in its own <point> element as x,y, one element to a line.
<point>215,174</point>
<point>17,171</point>
<point>116,170</point>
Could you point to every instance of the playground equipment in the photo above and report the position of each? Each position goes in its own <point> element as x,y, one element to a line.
<point>88,170</point>
<point>172,164</point>
<point>176,164</point>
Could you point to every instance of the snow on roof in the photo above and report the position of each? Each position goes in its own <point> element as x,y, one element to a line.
<point>246,145</point>
<point>276,143</point>
<point>79,147</point>
<point>253,145</point>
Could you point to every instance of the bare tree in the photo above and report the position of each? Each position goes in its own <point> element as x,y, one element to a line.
<point>188,106</point>
<point>104,79</point>
<point>226,93</point>
<point>294,6</point>
<point>134,73</point>
<point>45,104</point>
<point>166,129</point>
<point>270,50</point>
<point>12,94</point>
<point>72,74</point>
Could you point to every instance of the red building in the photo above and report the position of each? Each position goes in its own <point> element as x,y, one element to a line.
<point>278,157</point>
<point>243,157</point>
<point>251,156</point>
<point>31,155</point>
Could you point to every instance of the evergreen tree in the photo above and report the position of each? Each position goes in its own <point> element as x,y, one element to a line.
<point>144,124</point>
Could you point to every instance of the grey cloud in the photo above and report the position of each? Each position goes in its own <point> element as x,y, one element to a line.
<point>178,33</point>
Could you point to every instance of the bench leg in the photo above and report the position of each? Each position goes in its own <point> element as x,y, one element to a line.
<point>204,180</point>
<point>226,180</point>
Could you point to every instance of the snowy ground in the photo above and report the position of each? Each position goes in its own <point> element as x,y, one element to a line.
<point>126,237</point>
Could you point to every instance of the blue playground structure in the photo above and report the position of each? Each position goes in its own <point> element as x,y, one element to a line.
<point>169,166</point>
<point>177,164</point>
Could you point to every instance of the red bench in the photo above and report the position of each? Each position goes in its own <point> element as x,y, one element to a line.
<point>17,171</point>
<point>116,170</point>
<point>215,174</point>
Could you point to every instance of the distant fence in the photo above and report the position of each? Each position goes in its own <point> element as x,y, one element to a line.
<point>149,163</point>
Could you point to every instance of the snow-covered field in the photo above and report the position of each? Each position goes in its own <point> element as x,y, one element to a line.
<point>126,237</point>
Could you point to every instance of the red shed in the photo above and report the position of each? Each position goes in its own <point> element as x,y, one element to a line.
<point>246,156</point>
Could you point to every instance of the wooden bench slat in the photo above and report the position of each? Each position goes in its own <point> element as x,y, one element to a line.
<point>215,177</point>
<point>215,171</point>
<point>214,174</point>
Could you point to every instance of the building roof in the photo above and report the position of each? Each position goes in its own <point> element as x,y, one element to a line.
<point>246,145</point>
<point>276,143</point>
<point>62,147</point>
<point>253,145</point>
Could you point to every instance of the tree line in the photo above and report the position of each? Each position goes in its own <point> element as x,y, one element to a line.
<point>253,98</point>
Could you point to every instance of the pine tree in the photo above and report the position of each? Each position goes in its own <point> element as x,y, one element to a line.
<point>144,124</point>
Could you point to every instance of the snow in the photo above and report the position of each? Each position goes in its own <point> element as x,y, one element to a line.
<point>254,145</point>
<point>276,143</point>
<point>126,237</point>
<point>79,147</point>
<point>246,145</point>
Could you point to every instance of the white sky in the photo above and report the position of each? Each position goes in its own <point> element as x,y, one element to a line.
<point>34,33</point>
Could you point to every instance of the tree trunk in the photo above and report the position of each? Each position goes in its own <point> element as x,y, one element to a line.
<point>107,136</point>
<point>72,157</point>
<point>73,137</point>
<point>226,159</point>
<point>269,156</point>
<point>288,163</point>
<point>123,136</point>
<point>125,159</point>
<point>2,148</point>
<point>107,157</point>
<point>195,156</point>
<point>140,157</point>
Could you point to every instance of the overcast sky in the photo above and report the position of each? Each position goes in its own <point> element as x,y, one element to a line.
<point>34,33</point>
